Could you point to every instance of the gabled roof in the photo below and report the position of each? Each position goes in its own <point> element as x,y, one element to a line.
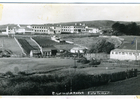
<point>38,25</point>
<point>35,51</point>
<point>125,50</point>
<point>78,48</point>
<point>48,48</point>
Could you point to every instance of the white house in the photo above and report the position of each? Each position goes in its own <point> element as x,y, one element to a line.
<point>77,50</point>
<point>57,30</point>
<point>92,30</point>
<point>41,29</point>
<point>73,29</point>
<point>125,54</point>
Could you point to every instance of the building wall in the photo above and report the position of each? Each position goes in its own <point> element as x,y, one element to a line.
<point>76,50</point>
<point>119,55</point>
<point>73,29</point>
<point>57,30</point>
<point>40,29</point>
<point>92,30</point>
<point>96,56</point>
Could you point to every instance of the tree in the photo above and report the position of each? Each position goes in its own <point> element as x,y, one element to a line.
<point>102,46</point>
<point>129,29</point>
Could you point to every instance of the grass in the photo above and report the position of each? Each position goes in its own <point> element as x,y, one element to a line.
<point>26,46</point>
<point>10,44</point>
<point>46,84</point>
<point>123,87</point>
<point>33,64</point>
<point>86,41</point>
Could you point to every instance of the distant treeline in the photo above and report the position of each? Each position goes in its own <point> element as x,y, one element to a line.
<point>123,29</point>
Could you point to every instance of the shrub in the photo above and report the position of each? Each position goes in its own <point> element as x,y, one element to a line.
<point>22,73</point>
<point>83,60</point>
<point>94,62</point>
<point>9,74</point>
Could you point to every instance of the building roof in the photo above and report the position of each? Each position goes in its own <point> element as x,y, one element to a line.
<point>35,51</point>
<point>26,28</point>
<point>78,48</point>
<point>38,25</point>
<point>125,50</point>
<point>64,46</point>
<point>49,48</point>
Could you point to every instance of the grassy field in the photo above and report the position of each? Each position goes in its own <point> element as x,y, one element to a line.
<point>33,64</point>
<point>59,66</point>
<point>86,41</point>
<point>130,42</point>
<point>10,43</point>
<point>130,38</point>
<point>108,69</point>
<point>123,87</point>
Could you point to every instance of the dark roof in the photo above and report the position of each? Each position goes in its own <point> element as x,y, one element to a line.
<point>125,50</point>
<point>38,25</point>
<point>49,48</point>
<point>35,51</point>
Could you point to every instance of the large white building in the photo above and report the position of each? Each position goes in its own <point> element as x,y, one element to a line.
<point>78,50</point>
<point>125,54</point>
<point>73,29</point>
<point>92,30</point>
<point>40,29</point>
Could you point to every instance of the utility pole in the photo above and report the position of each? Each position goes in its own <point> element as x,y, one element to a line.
<point>136,50</point>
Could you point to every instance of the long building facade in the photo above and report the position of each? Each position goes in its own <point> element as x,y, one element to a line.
<point>125,54</point>
<point>46,29</point>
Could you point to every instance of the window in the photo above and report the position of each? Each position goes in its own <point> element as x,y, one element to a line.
<point>112,52</point>
<point>130,53</point>
<point>116,52</point>
<point>123,53</point>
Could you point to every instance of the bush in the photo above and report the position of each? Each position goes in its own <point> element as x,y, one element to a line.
<point>21,73</point>
<point>9,74</point>
<point>46,84</point>
<point>94,62</point>
<point>83,60</point>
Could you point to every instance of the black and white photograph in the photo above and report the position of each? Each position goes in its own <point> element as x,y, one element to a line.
<point>69,49</point>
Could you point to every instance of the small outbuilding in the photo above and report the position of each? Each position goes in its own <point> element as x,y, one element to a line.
<point>125,54</point>
<point>49,51</point>
<point>77,50</point>
<point>35,53</point>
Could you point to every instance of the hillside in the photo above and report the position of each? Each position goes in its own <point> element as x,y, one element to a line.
<point>96,23</point>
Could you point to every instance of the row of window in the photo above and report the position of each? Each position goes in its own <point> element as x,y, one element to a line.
<point>128,53</point>
<point>68,30</point>
<point>75,30</point>
<point>58,31</point>
<point>40,27</point>
<point>68,27</point>
<point>41,30</point>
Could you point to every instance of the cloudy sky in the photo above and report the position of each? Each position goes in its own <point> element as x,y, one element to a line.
<point>52,13</point>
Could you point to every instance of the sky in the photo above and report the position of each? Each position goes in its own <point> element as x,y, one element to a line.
<point>55,13</point>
